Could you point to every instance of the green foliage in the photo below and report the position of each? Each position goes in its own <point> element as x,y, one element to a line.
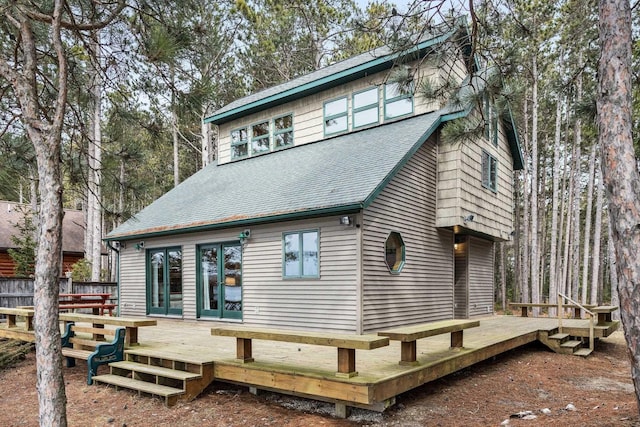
<point>282,40</point>
<point>81,271</point>
<point>17,161</point>
<point>24,252</point>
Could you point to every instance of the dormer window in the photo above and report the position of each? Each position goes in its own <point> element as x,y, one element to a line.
<point>335,116</point>
<point>283,131</point>
<point>239,143</point>
<point>365,107</point>
<point>396,103</point>
<point>260,138</point>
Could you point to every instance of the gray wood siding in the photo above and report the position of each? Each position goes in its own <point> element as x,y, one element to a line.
<point>423,291</point>
<point>327,303</point>
<point>461,289</point>
<point>307,112</point>
<point>460,191</point>
<point>481,277</point>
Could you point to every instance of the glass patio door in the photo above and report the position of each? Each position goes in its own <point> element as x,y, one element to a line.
<point>220,281</point>
<point>164,281</point>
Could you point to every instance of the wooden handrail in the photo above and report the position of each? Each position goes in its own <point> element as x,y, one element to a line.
<point>589,312</point>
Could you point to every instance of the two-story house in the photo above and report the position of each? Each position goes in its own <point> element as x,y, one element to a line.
<point>333,205</point>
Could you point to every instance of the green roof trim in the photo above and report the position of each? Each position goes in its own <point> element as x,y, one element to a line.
<point>325,78</point>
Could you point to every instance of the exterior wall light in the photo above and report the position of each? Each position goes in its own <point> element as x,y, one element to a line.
<point>346,220</point>
<point>139,246</point>
<point>244,236</point>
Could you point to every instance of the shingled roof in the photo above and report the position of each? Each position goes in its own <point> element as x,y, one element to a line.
<point>332,176</point>
<point>11,213</point>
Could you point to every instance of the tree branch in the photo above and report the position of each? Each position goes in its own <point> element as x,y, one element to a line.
<point>41,17</point>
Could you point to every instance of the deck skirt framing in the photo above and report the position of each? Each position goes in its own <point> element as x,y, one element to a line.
<point>309,371</point>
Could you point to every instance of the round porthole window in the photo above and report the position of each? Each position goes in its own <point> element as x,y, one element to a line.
<point>394,252</point>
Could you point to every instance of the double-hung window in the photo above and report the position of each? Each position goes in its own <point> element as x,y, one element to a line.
<point>489,171</point>
<point>260,138</point>
<point>301,254</point>
<point>283,131</point>
<point>365,107</point>
<point>396,102</point>
<point>239,143</point>
<point>335,116</point>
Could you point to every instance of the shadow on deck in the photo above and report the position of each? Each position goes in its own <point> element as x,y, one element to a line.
<point>177,354</point>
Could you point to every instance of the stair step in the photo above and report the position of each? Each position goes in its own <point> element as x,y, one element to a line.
<point>145,387</point>
<point>155,370</point>
<point>164,355</point>
<point>558,336</point>
<point>584,352</point>
<point>571,344</point>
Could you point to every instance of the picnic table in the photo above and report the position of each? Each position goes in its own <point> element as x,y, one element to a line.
<point>95,301</point>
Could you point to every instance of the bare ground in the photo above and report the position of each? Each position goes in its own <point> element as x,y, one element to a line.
<point>531,378</point>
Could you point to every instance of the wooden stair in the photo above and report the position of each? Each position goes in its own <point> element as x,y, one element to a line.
<point>171,377</point>
<point>563,343</point>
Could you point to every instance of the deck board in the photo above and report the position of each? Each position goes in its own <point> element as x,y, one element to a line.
<point>309,370</point>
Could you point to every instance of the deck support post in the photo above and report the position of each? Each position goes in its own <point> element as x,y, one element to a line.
<point>408,353</point>
<point>243,350</point>
<point>342,410</point>
<point>11,320</point>
<point>456,339</point>
<point>346,363</point>
<point>131,337</point>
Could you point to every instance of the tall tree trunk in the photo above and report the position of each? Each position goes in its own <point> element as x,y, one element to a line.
<point>613,274</point>
<point>535,251</point>
<point>96,140</point>
<point>595,273</point>
<point>619,166</point>
<point>587,227</point>
<point>566,268</point>
<point>553,277</point>
<point>45,134</point>
<point>575,240</point>
<point>526,261</point>
<point>174,132</point>
<point>205,130</point>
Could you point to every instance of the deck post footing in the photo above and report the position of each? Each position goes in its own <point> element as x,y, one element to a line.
<point>342,410</point>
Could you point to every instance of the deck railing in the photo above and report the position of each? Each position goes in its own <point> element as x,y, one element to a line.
<point>591,314</point>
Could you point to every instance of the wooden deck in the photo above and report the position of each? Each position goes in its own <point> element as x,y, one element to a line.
<point>309,370</point>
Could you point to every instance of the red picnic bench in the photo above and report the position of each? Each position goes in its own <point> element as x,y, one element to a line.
<point>95,301</point>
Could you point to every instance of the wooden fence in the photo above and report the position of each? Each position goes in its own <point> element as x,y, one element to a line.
<point>16,291</point>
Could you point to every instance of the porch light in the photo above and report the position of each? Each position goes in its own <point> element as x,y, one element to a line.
<point>346,220</point>
<point>244,236</point>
